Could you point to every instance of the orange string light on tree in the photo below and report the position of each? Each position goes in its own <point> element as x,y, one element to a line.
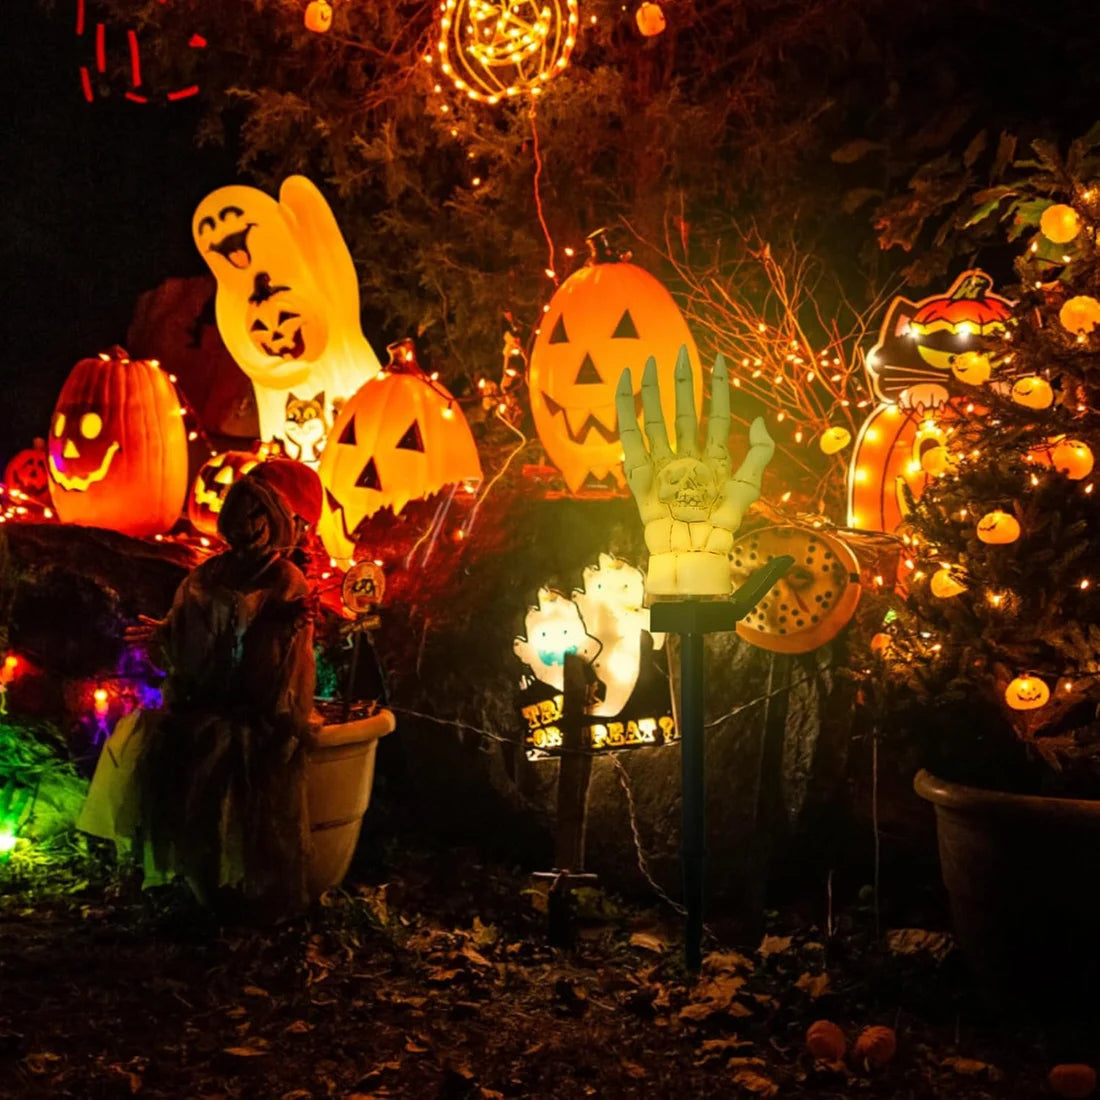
<point>497,50</point>
<point>1059,223</point>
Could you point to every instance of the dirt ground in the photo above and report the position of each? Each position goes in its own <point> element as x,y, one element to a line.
<point>429,976</point>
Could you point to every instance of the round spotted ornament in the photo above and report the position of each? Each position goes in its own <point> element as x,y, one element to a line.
<point>812,603</point>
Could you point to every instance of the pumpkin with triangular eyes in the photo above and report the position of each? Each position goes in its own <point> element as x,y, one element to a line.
<point>213,481</point>
<point>400,437</point>
<point>607,316</point>
<point>118,447</point>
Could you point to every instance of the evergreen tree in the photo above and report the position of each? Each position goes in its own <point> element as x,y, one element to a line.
<point>994,654</point>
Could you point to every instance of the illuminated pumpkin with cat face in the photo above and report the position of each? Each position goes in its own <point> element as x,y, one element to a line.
<point>607,316</point>
<point>214,480</point>
<point>401,437</point>
<point>117,447</point>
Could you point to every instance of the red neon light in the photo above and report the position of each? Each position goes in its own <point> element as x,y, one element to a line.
<point>183,93</point>
<point>133,97</point>
<point>79,16</point>
<point>86,81</point>
<point>135,59</point>
<point>197,42</point>
<point>100,48</point>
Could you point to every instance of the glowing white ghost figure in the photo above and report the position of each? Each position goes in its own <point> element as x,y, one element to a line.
<point>287,304</point>
<point>554,628</point>
<point>612,607</point>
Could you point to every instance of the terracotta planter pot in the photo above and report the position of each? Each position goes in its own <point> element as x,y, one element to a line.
<point>1023,875</point>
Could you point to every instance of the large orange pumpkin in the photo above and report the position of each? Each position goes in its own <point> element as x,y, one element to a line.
<point>216,477</point>
<point>118,447</point>
<point>401,437</point>
<point>607,316</point>
<point>812,603</point>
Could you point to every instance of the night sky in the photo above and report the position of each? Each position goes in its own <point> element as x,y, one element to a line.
<point>98,197</point>
<point>98,202</point>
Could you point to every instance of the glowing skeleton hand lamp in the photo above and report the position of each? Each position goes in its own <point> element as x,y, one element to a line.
<point>691,505</point>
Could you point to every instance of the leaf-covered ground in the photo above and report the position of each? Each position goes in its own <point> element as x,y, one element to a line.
<point>429,976</point>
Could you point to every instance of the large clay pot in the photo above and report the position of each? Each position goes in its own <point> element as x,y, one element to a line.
<point>339,778</point>
<point>1023,875</point>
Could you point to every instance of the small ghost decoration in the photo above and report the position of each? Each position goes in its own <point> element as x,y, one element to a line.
<point>553,629</point>
<point>612,606</point>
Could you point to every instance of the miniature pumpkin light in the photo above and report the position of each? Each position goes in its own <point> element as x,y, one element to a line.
<point>943,584</point>
<point>935,461</point>
<point>118,447</point>
<point>401,437</point>
<point>609,316</point>
<point>212,483</point>
<point>26,472</point>
<point>875,1046</point>
<point>318,16</point>
<point>1033,392</point>
<point>998,528</point>
<point>1059,223</point>
<point>1073,1080</point>
<point>1073,458</point>
<point>972,368</point>
<point>833,440</point>
<point>826,1041</point>
<point>650,19</point>
<point>1080,314</point>
<point>881,644</point>
<point>1027,693</point>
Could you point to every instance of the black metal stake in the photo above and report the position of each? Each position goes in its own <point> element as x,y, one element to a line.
<point>694,798</point>
<point>693,620</point>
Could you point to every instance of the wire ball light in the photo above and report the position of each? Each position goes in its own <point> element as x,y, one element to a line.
<point>497,50</point>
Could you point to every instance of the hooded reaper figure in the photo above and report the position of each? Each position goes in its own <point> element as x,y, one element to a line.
<point>218,774</point>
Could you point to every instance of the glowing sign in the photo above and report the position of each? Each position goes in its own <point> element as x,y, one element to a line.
<point>607,625</point>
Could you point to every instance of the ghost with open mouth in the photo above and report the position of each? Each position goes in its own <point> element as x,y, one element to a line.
<point>287,302</point>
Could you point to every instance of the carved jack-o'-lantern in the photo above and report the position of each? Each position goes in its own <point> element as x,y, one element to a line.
<point>812,603</point>
<point>118,447</point>
<point>213,482</point>
<point>26,472</point>
<point>402,436</point>
<point>607,316</point>
<point>896,446</point>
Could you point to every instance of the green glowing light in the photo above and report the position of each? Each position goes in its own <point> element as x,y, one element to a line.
<point>7,840</point>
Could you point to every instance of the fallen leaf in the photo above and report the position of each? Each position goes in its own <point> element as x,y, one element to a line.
<point>744,1062</point>
<point>414,1047</point>
<point>814,984</point>
<point>299,1027</point>
<point>245,1052</point>
<point>485,935</point>
<point>490,1094</point>
<point>441,975</point>
<point>41,1062</point>
<point>720,1046</point>
<point>721,989</point>
<point>774,945</point>
<point>633,1069</point>
<point>475,956</point>
<point>726,960</point>
<point>255,991</point>
<point>297,1094</point>
<point>756,1083</point>
<point>912,941</point>
<point>971,1067</point>
<point>647,941</point>
<point>697,1012</point>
